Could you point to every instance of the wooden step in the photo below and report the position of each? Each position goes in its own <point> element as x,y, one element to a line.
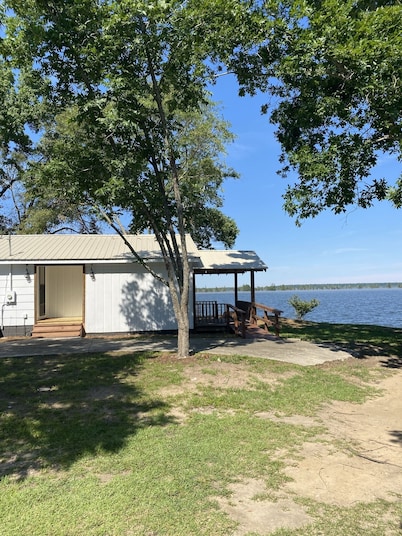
<point>57,330</point>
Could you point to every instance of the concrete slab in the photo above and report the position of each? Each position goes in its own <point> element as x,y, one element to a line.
<point>286,350</point>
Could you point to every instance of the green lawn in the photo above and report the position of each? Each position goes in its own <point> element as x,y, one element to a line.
<point>134,445</point>
<point>364,340</point>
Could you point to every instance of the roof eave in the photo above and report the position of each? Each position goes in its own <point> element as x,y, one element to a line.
<point>206,271</point>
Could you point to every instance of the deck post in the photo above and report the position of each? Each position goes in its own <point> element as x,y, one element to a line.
<point>252,285</point>
<point>194,303</point>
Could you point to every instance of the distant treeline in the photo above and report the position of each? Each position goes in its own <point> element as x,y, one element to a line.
<point>320,286</point>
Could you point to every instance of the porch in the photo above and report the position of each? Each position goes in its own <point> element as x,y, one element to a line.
<point>245,319</point>
<point>242,317</point>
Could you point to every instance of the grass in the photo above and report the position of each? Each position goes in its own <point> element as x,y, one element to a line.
<point>364,340</point>
<point>131,444</point>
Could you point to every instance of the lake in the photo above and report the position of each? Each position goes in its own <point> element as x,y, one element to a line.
<point>377,306</point>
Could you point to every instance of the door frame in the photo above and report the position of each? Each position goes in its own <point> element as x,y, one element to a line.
<point>40,307</point>
<point>42,296</point>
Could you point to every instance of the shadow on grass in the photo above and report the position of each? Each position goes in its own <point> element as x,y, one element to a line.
<point>55,410</point>
<point>361,340</point>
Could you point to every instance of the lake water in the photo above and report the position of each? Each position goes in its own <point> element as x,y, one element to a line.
<point>377,306</point>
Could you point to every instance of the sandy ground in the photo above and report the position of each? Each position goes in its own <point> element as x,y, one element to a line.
<point>358,459</point>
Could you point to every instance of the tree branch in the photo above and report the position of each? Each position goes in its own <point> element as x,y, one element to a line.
<point>116,227</point>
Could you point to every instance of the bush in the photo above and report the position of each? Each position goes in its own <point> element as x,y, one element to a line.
<point>302,307</point>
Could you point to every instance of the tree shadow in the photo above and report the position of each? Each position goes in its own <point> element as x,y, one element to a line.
<point>360,340</point>
<point>146,305</point>
<point>397,436</point>
<point>392,362</point>
<point>55,410</point>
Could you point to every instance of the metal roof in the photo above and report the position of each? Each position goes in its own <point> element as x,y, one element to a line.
<point>78,249</point>
<point>229,261</point>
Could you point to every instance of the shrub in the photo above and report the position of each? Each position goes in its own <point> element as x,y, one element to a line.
<point>302,307</point>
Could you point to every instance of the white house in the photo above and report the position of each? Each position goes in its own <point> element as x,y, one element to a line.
<point>93,284</point>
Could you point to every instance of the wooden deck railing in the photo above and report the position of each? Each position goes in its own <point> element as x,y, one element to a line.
<point>214,315</point>
<point>265,316</point>
<point>238,318</point>
<point>211,314</point>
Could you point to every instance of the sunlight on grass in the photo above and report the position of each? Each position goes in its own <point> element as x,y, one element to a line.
<point>371,519</point>
<point>130,445</point>
<point>365,340</point>
<point>300,394</point>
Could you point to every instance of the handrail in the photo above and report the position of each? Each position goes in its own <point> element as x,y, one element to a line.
<point>238,317</point>
<point>213,314</point>
<point>267,320</point>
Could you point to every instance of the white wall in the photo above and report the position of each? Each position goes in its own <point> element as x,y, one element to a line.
<point>15,278</point>
<point>121,298</point>
<point>124,298</point>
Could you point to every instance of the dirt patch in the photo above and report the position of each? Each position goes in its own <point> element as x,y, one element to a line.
<point>358,459</point>
<point>260,516</point>
<point>219,374</point>
<point>367,462</point>
<point>226,375</point>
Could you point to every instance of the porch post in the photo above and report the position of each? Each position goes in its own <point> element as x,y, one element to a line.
<point>194,305</point>
<point>236,289</point>
<point>252,285</point>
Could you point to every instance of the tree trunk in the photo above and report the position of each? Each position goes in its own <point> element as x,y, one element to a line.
<point>180,299</point>
<point>183,337</point>
<point>180,306</point>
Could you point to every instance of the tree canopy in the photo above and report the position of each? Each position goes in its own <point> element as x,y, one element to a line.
<point>333,72</point>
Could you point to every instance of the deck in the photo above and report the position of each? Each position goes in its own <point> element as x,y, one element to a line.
<point>243,318</point>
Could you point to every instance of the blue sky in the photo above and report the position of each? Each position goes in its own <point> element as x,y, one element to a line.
<point>358,246</point>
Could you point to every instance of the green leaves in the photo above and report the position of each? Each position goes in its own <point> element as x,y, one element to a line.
<point>341,106</point>
<point>302,307</point>
<point>333,73</point>
<point>133,68</point>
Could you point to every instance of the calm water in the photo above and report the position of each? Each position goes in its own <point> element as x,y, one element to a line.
<point>381,307</point>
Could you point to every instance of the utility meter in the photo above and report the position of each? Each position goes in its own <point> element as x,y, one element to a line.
<point>10,297</point>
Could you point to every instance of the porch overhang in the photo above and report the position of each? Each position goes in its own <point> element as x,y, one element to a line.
<point>229,262</point>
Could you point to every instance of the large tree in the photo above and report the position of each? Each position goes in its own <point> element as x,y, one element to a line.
<point>123,75</point>
<point>122,85</point>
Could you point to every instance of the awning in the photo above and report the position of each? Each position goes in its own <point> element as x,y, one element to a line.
<point>229,262</point>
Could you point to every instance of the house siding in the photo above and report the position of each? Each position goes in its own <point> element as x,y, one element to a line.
<point>124,298</point>
<point>119,298</point>
<point>17,318</point>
